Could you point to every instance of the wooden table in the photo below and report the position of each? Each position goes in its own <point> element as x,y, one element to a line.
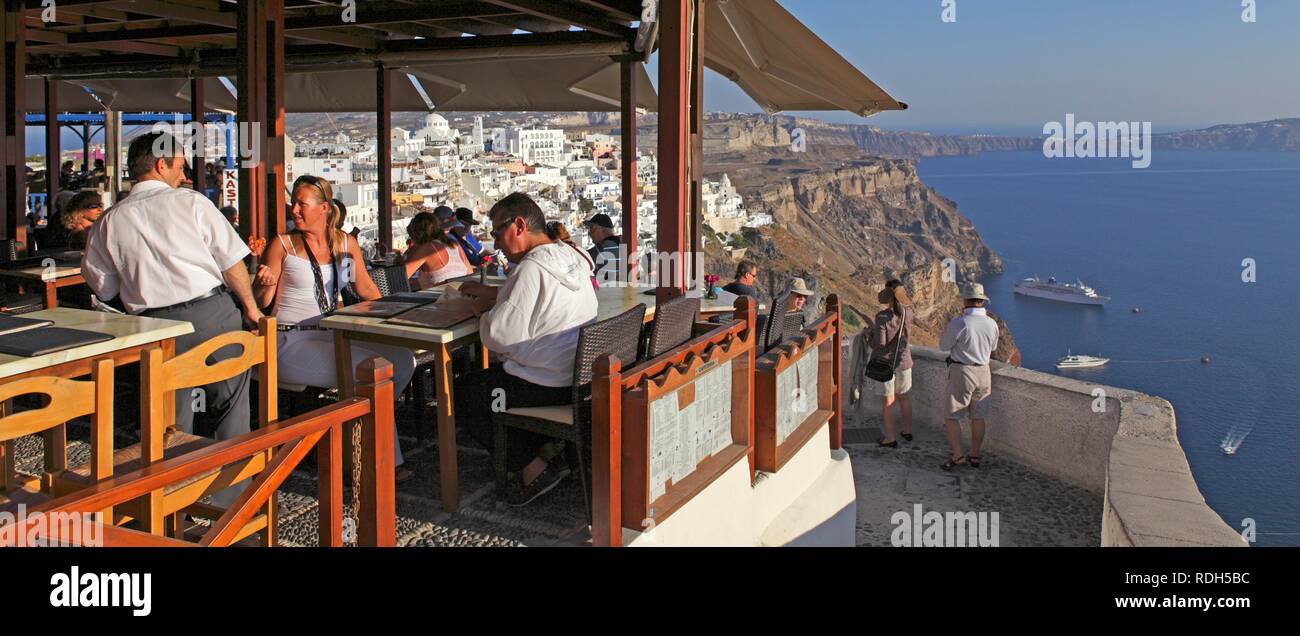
<point>131,336</point>
<point>611,301</point>
<point>53,279</point>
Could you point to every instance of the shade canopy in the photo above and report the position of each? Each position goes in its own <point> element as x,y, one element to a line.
<point>783,65</point>
<point>587,83</point>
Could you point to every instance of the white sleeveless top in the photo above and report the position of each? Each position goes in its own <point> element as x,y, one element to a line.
<point>296,302</point>
<point>454,268</point>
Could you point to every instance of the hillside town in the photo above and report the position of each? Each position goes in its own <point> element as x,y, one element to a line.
<point>572,176</point>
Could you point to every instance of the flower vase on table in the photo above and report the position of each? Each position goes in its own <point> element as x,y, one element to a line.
<point>710,292</point>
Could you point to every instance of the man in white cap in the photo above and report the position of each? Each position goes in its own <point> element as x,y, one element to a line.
<point>969,340</point>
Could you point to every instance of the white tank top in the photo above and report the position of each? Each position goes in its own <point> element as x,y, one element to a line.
<point>454,268</point>
<point>296,302</point>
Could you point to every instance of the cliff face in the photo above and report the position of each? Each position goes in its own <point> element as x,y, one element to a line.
<point>847,229</point>
<point>1278,135</point>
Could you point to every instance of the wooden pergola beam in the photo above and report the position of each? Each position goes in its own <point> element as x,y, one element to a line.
<point>674,143</point>
<point>566,14</point>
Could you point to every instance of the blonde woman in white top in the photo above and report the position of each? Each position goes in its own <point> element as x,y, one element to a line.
<point>434,253</point>
<point>302,276</point>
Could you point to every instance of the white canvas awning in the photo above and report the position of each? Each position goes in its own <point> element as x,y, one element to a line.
<point>783,65</point>
<point>589,83</point>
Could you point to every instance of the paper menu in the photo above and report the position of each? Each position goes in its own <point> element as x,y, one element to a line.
<point>681,438</point>
<point>796,391</point>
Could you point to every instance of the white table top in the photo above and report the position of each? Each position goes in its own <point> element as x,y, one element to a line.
<point>610,301</point>
<point>39,273</point>
<point>127,332</point>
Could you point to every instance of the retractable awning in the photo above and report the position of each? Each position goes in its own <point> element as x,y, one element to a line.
<point>783,65</point>
<point>589,83</point>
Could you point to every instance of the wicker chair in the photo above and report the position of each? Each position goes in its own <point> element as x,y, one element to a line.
<point>11,300</point>
<point>672,325</point>
<point>617,336</point>
<point>773,332</point>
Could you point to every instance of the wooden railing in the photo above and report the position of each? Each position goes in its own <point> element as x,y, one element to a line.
<point>636,480</point>
<point>289,441</point>
<point>797,388</point>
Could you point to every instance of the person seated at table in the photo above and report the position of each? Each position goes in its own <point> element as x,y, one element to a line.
<point>799,294</point>
<point>532,323</point>
<point>746,276</point>
<point>560,234</point>
<point>301,278</point>
<point>433,253</point>
<point>81,212</point>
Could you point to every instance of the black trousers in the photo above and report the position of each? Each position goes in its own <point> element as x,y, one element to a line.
<point>478,389</point>
<point>224,404</point>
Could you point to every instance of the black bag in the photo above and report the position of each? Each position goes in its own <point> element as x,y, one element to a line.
<point>882,370</point>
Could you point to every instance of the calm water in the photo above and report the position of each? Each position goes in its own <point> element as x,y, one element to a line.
<point>1169,239</point>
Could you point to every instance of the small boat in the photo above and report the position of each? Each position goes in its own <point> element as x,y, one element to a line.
<point>1080,362</point>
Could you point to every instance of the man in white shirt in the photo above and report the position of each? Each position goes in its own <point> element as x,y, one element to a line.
<point>969,340</point>
<point>169,253</point>
<point>532,323</point>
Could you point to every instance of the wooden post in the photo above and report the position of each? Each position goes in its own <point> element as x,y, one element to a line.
<point>329,487</point>
<point>607,453</point>
<point>384,150</point>
<point>837,419</point>
<point>112,151</point>
<point>251,81</point>
<point>13,150</point>
<point>197,117</point>
<point>674,143</point>
<point>378,512</point>
<point>273,146</point>
<point>695,227</point>
<point>53,163</point>
<point>627,75</point>
<point>745,311</point>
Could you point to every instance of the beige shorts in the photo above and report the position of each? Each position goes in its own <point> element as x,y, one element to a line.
<point>899,385</point>
<point>969,389</point>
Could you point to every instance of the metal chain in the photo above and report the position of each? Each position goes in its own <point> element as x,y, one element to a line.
<point>356,480</point>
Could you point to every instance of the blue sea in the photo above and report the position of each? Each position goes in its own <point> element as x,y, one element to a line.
<point>1171,240</point>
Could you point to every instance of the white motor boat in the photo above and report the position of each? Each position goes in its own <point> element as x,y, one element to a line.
<point>1080,362</point>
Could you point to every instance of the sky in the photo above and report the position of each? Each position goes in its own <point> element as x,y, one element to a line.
<point>1008,66</point>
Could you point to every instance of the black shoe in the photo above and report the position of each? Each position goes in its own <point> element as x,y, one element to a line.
<point>555,472</point>
<point>953,463</point>
<point>881,443</point>
<point>906,436</point>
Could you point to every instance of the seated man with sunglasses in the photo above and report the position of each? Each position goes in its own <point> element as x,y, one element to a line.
<point>532,323</point>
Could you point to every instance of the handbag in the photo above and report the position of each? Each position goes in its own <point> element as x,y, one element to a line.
<point>882,370</point>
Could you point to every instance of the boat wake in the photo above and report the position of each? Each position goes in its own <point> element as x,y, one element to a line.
<point>1232,441</point>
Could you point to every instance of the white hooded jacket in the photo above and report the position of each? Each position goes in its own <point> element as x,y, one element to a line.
<point>534,325</point>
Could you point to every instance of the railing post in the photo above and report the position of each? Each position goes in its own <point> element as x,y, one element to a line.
<point>745,311</point>
<point>329,487</point>
<point>377,518</point>
<point>607,453</point>
<point>837,357</point>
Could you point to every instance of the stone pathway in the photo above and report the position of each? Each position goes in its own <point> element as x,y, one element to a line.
<point>1033,509</point>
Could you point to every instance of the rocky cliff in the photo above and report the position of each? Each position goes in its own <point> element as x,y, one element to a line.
<point>846,229</point>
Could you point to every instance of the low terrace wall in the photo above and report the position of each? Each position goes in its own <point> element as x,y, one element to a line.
<point>1120,443</point>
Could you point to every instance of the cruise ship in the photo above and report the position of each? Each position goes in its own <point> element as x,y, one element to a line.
<point>1075,292</point>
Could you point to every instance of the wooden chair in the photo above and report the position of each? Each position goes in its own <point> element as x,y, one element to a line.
<point>64,400</point>
<point>618,336</point>
<point>672,325</point>
<point>159,440</point>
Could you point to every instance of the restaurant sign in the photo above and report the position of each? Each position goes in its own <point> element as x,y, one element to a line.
<point>230,188</point>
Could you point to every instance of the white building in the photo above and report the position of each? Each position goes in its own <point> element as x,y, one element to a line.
<point>337,170</point>
<point>536,145</point>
